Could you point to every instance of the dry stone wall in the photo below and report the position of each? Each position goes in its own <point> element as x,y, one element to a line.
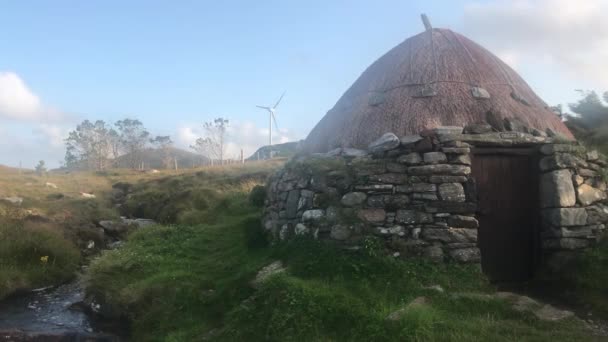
<point>417,195</point>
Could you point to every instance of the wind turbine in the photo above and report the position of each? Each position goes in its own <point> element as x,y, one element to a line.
<point>271,118</point>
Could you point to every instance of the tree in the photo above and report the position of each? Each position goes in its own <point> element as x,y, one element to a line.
<point>589,123</point>
<point>163,144</point>
<point>89,143</point>
<point>133,138</point>
<point>213,144</point>
<point>41,168</point>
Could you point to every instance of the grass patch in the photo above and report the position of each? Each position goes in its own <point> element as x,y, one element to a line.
<point>34,255</point>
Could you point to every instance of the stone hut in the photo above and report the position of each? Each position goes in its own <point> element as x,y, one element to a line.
<point>441,150</point>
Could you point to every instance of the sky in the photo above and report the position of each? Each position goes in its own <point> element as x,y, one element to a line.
<point>176,64</point>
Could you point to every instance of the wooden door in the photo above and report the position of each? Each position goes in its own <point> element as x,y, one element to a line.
<point>507,189</point>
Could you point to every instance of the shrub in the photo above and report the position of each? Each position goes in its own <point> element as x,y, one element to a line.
<point>257,196</point>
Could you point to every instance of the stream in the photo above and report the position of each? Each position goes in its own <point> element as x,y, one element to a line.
<point>51,314</point>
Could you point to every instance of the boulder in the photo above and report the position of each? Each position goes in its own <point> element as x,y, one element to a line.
<point>435,158</point>
<point>556,189</point>
<point>353,199</point>
<point>450,235</point>
<point>588,195</point>
<point>565,216</point>
<point>291,205</point>
<point>386,142</point>
<point>592,155</point>
<point>452,192</point>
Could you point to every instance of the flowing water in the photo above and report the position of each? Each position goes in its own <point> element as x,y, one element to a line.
<point>55,313</point>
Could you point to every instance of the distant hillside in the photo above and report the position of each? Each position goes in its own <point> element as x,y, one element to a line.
<point>153,158</point>
<point>279,150</point>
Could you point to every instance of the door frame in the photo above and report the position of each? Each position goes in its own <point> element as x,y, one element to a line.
<point>534,153</point>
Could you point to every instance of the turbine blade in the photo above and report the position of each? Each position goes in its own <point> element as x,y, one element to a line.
<point>279,101</point>
<point>267,108</point>
<point>275,121</point>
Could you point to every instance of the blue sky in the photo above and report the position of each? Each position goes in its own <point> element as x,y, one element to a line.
<point>176,64</point>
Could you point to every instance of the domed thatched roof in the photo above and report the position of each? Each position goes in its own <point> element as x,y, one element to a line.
<point>435,78</point>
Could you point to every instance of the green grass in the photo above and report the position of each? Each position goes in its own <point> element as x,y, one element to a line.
<point>22,245</point>
<point>180,283</point>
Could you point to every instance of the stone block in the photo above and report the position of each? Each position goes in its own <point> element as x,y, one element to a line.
<point>445,169</point>
<point>556,189</point>
<point>459,221</point>
<point>466,255</point>
<point>456,150</point>
<point>413,217</point>
<point>561,161</point>
<point>448,130</point>
<point>425,196</point>
<point>416,187</point>
<point>373,215</point>
<point>480,128</point>
<point>450,235</point>
<point>559,217</point>
<point>340,232</point>
<point>447,179</point>
<point>408,140</point>
<point>461,159</point>
<point>386,142</point>
<point>597,214</point>
<point>452,192</point>
<point>375,188</point>
<point>313,215</point>
<point>565,243</point>
<point>413,158</point>
<point>549,149</point>
<point>392,178</point>
<point>588,195</point>
<point>396,167</point>
<point>291,205</point>
<point>592,155</point>
<point>353,199</point>
<point>450,207</point>
<point>435,158</point>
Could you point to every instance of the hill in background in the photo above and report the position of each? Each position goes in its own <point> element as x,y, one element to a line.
<point>284,150</point>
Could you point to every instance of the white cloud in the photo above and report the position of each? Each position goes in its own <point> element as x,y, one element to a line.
<point>241,135</point>
<point>18,102</point>
<point>568,36</point>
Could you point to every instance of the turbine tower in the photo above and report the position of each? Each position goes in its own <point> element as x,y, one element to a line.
<point>271,118</point>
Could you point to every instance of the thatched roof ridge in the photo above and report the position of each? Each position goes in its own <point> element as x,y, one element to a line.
<point>425,82</point>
